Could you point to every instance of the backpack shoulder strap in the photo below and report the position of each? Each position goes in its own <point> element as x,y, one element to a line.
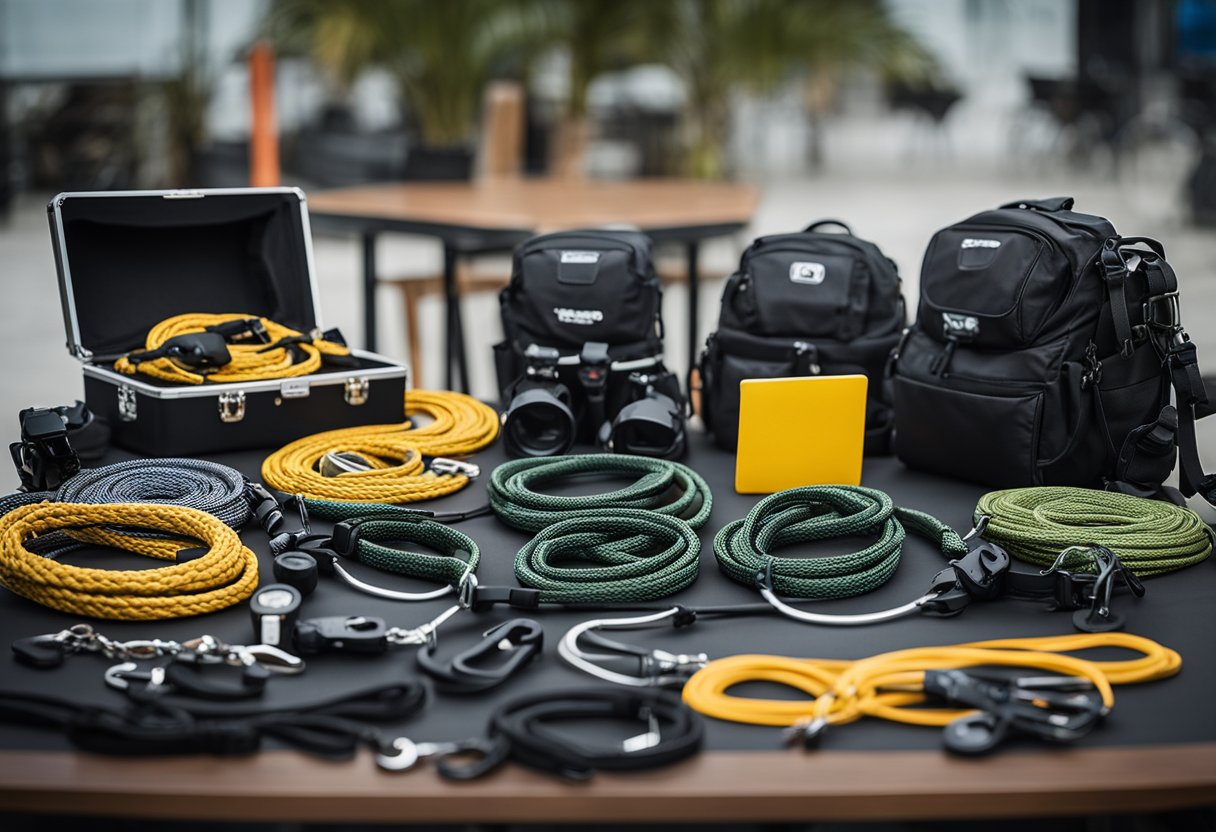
<point>1162,326</point>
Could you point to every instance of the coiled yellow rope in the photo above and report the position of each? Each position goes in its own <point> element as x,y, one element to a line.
<point>887,686</point>
<point>462,425</point>
<point>250,362</point>
<point>225,575</point>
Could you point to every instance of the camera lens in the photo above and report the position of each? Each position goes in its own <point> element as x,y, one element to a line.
<point>538,423</point>
<point>651,426</point>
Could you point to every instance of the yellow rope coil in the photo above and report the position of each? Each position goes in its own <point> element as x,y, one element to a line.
<point>250,362</point>
<point>225,575</point>
<point>461,425</point>
<point>888,686</point>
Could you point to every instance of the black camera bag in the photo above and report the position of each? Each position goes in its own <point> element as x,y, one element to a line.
<point>572,288</point>
<point>804,304</point>
<point>1044,352</point>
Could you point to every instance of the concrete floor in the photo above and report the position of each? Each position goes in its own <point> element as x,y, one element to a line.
<point>899,211</point>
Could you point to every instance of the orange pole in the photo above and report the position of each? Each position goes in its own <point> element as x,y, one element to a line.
<point>264,133</point>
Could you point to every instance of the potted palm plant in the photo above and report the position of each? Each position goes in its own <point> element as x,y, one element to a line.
<point>441,53</point>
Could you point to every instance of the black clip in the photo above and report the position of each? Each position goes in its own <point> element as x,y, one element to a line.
<point>480,598</point>
<point>1054,708</point>
<point>520,639</point>
<point>341,634</point>
<point>197,350</point>
<point>977,576</point>
<point>266,509</point>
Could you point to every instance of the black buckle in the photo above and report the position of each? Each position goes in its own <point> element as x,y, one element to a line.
<point>342,633</point>
<point>1162,312</point>
<point>196,350</point>
<point>1054,708</point>
<point>480,598</point>
<point>266,509</point>
<point>977,576</point>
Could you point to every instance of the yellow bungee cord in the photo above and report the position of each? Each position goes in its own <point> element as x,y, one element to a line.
<point>396,472</point>
<point>225,575</point>
<point>890,685</point>
<point>251,358</point>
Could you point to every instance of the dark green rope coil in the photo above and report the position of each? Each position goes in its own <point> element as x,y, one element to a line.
<point>802,515</point>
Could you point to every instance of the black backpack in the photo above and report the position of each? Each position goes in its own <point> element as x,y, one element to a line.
<point>1043,353</point>
<point>804,304</point>
<point>592,296</point>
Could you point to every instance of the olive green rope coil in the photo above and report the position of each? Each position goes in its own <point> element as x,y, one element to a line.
<point>802,515</point>
<point>661,487</point>
<point>638,555</point>
<point>1037,524</point>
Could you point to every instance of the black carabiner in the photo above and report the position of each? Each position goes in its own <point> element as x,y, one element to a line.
<point>521,638</point>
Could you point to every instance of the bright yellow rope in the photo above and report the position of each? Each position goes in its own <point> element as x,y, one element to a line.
<point>462,425</point>
<point>883,686</point>
<point>250,362</point>
<point>225,575</point>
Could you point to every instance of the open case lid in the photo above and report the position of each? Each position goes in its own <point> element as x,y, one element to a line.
<point>129,259</point>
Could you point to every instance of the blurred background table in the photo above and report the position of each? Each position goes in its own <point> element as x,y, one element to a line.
<point>494,215</point>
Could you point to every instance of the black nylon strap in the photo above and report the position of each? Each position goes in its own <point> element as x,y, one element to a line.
<point>523,729</point>
<point>332,727</point>
<point>1114,274</point>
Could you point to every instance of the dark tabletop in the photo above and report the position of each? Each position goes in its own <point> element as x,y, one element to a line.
<point>1178,610</point>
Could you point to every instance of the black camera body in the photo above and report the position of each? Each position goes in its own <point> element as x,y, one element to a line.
<point>555,404</point>
<point>584,344</point>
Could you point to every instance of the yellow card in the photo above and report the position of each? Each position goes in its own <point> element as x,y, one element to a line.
<point>800,431</point>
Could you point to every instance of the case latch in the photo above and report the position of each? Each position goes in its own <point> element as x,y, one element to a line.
<point>232,406</point>
<point>356,390</point>
<point>127,403</point>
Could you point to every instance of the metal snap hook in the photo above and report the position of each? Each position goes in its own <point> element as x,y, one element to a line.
<point>399,755</point>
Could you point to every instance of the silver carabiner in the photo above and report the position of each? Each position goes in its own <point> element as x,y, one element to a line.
<point>444,465</point>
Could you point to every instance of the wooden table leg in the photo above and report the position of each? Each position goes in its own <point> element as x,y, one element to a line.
<point>369,290</point>
<point>694,249</point>
<point>456,358</point>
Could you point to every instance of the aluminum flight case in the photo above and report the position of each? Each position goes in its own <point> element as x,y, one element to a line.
<point>130,259</point>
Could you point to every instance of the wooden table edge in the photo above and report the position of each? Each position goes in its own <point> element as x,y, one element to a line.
<point>716,786</point>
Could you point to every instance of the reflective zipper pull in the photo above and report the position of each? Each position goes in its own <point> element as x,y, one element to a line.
<point>806,359</point>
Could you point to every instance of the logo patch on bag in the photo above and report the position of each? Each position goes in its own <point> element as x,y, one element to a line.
<point>980,242</point>
<point>806,272</point>
<point>584,257</point>
<point>582,317</point>
<point>956,324</point>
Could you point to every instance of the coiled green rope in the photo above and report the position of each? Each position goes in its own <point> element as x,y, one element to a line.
<point>1149,536</point>
<point>640,556</point>
<point>378,524</point>
<point>800,515</point>
<point>460,554</point>
<point>662,487</point>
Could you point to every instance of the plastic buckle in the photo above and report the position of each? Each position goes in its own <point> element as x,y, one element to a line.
<point>977,576</point>
<point>342,633</point>
<point>345,538</point>
<point>1072,590</point>
<point>266,509</point>
<point>1162,312</point>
